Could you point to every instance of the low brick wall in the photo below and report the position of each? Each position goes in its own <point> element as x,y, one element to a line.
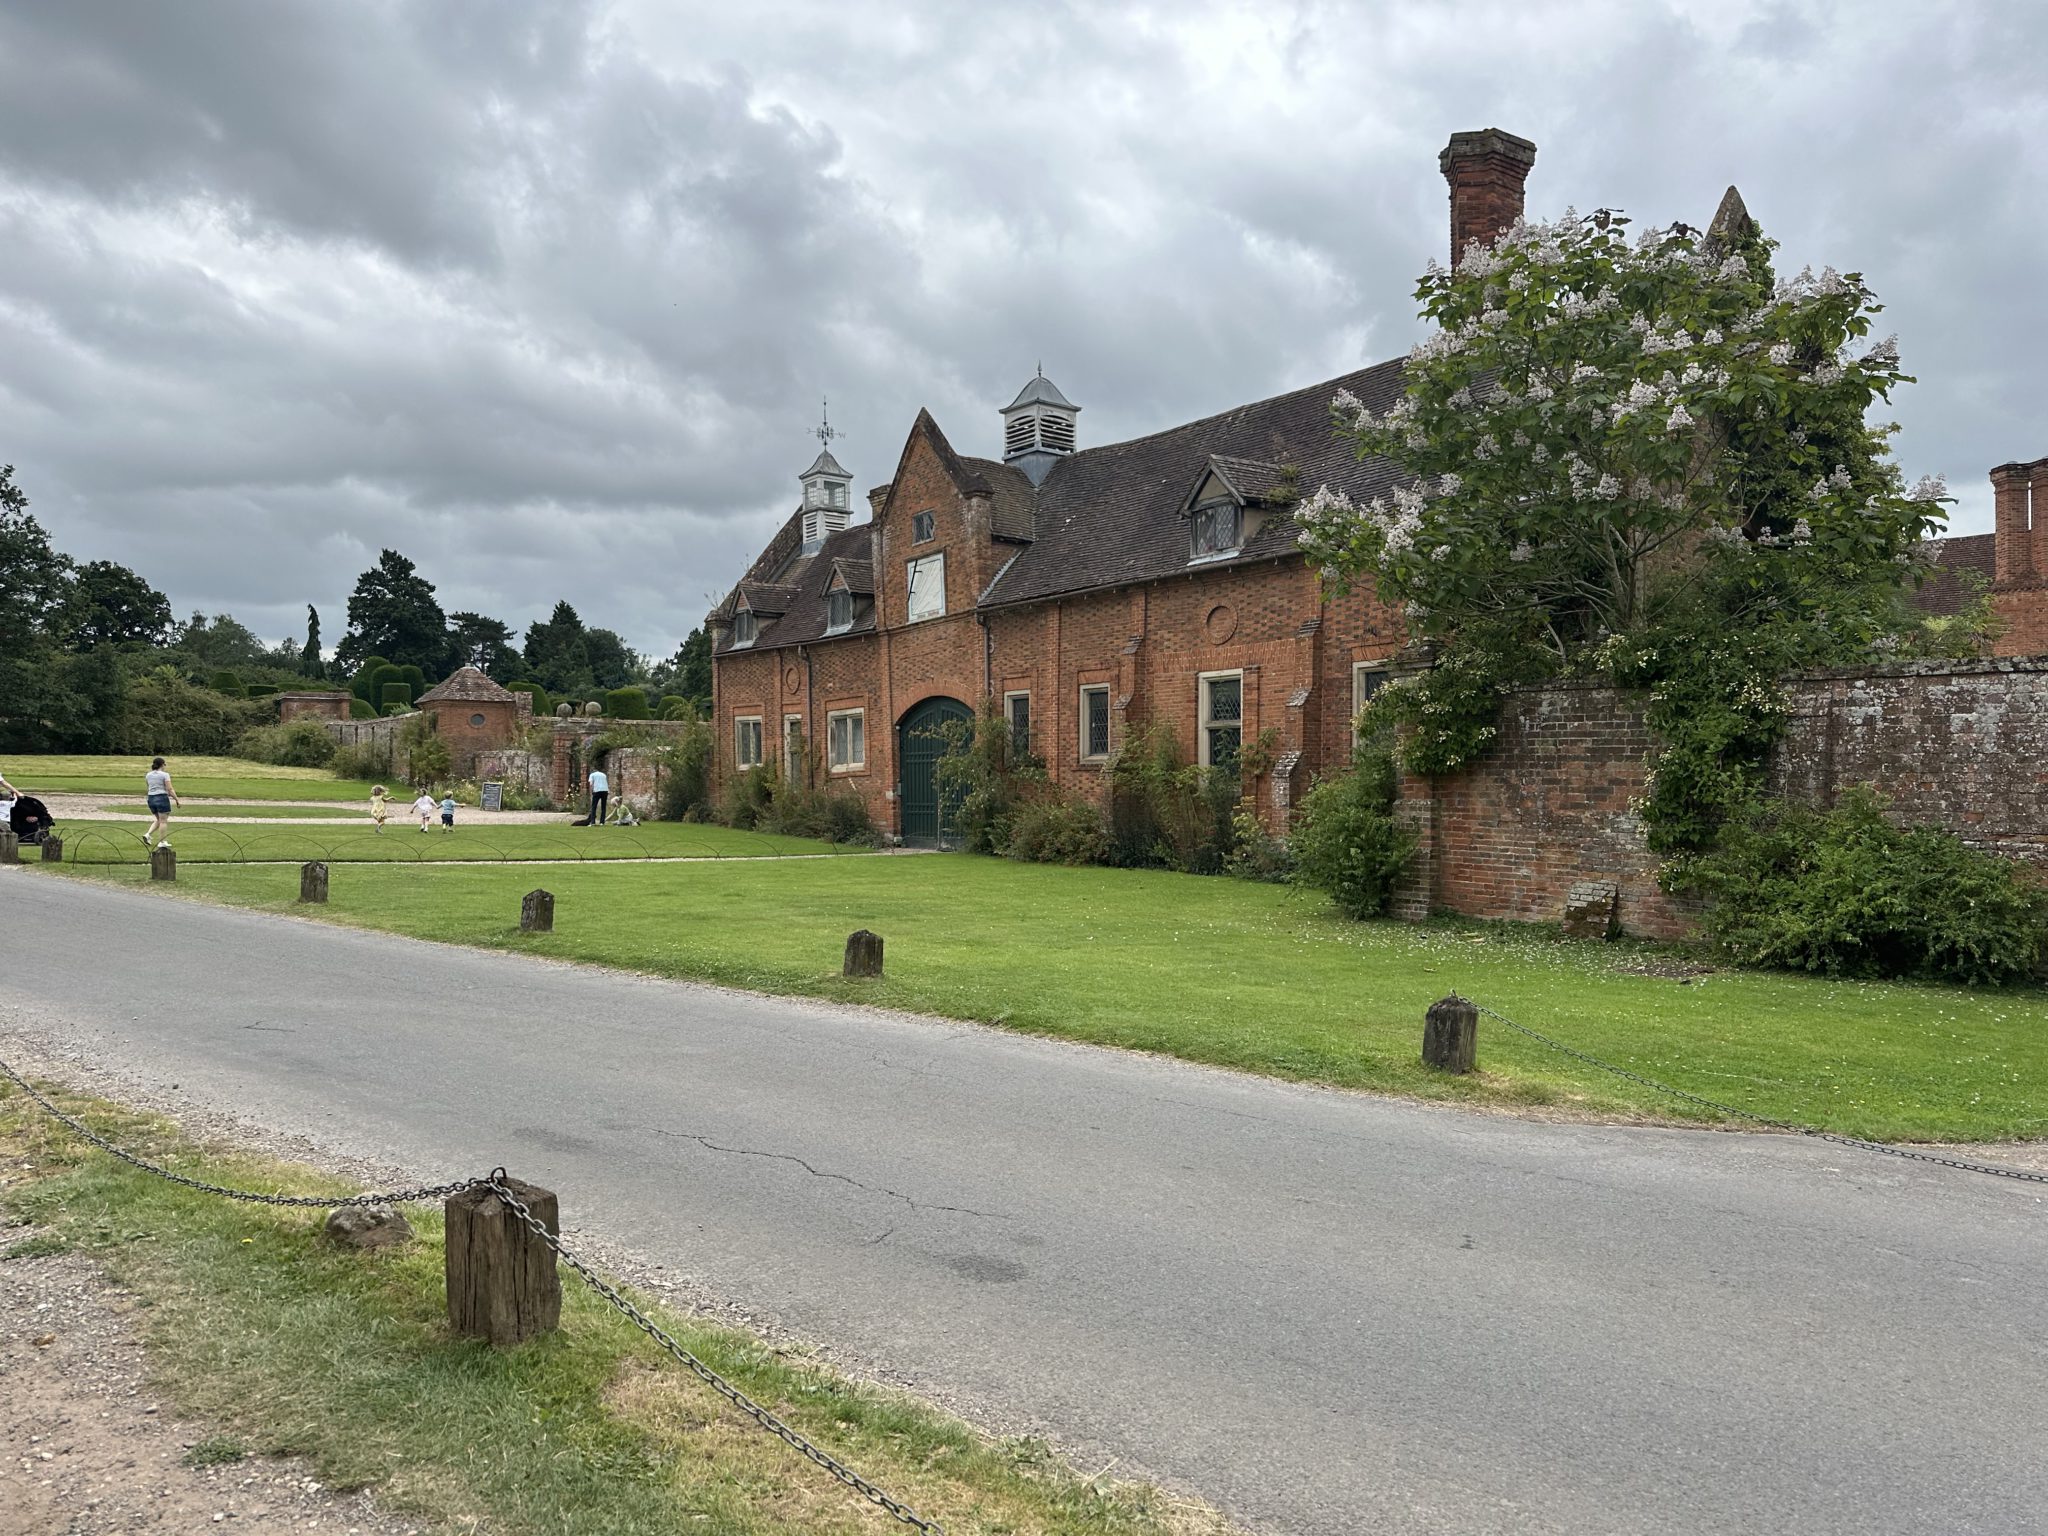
<point>1960,745</point>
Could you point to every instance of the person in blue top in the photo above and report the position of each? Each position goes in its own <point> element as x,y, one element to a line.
<point>157,784</point>
<point>448,813</point>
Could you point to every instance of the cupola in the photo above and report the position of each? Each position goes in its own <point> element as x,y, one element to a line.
<point>828,492</point>
<point>1038,428</point>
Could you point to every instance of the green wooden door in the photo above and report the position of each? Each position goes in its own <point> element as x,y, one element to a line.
<point>927,823</point>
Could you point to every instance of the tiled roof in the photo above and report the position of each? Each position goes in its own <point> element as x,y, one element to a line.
<point>1010,495</point>
<point>803,615</point>
<point>1948,589</point>
<point>1111,515</point>
<point>769,596</point>
<point>467,686</point>
<point>857,576</point>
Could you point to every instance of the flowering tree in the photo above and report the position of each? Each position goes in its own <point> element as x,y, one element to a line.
<point>1610,448</point>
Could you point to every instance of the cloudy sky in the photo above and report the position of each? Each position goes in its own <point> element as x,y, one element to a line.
<point>544,293</point>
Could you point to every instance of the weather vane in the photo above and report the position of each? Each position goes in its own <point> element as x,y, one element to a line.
<point>824,433</point>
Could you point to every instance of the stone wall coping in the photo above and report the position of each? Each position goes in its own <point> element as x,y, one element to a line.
<point>1936,667</point>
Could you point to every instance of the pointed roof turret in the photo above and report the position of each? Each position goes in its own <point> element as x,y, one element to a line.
<point>825,464</point>
<point>1038,428</point>
<point>1041,391</point>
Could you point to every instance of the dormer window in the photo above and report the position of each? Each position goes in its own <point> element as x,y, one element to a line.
<point>838,612</point>
<point>924,527</point>
<point>745,628</point>
<point>1217,528</point>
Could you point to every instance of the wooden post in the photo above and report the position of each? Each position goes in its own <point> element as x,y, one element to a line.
<point>537,912</point>
<point>502,1283</point>
<point>53,849</point>
<point>1450,1034</point>
<point>863,954</point>
<point>10,846</point>
<point>313,882</point>
<point>163,863</point>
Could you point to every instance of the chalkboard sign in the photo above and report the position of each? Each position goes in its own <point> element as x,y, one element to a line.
<point>494,796</point>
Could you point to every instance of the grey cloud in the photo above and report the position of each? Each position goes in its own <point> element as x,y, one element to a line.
<point>545,294</point>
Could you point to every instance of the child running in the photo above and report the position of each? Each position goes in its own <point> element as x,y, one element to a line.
<point>448,812</point>
<point>424,808</point>
<point>379,806</point>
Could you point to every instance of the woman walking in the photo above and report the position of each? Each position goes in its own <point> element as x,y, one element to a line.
<point>161,798</point>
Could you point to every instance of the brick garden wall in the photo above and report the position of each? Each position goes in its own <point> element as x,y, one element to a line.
<point>1960,745</point>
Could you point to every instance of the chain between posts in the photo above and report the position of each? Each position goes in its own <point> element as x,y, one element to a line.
<point>2024,1175</point>
<point>498,1186</point>
<point>253,1197</point>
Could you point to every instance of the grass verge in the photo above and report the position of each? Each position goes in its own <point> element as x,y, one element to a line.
<point>259,810</point>
<point>290,1345</point>
<point>1256,977</point>
<point>229,778</point>
<point>475,837</point>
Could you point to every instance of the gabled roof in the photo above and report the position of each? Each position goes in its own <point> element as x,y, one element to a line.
<point>1949,587</point>
<point>1112,515</point>
<point>1249,479</point>
<point>1011,497</point>
<point>804,614</point>
<point>768,597</point>
<point>467,686</point>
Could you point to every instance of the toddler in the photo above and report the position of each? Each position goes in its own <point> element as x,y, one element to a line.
<point>447,813</point>
<point>379,806</point>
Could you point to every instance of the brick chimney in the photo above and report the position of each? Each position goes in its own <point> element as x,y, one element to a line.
<point>2013,540</point>
<point>1486,168</point>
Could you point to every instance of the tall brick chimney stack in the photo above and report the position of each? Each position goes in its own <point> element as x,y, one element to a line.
<point>1486,168</point>
<point>2013,540</point>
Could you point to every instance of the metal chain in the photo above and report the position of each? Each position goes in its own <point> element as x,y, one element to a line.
<point>324,1202</point>
<point>761,1416</point>
<point>2025,1175</point>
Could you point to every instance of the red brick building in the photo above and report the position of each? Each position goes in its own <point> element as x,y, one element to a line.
<point>1087,589</point>
<point>473,714</point>
<point>313,705</point>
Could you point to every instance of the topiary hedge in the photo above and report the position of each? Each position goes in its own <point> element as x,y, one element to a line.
<point>395,693</point>
<point>627,704</point>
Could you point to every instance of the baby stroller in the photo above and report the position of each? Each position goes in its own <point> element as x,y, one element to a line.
<point>30,819</point>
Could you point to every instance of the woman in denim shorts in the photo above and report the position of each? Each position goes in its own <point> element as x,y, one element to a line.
<point>161,798</point>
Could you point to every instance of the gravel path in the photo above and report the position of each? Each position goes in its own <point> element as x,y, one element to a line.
<point>66,807</point>
<point>88,1449</point>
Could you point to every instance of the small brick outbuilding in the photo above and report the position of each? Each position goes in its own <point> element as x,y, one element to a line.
<point>473,714</point>
<point>313,706</point>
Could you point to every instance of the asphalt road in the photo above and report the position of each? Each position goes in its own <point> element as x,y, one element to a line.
<point>1324,1312</point>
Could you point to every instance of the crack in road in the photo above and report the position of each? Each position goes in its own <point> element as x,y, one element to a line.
<point>820,1173</point>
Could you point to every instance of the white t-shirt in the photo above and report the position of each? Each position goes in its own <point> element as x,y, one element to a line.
<point>426,805</point>
<point>599,784</point>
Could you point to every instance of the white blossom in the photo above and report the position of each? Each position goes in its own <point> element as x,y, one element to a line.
<point>1710,337</point>
<point>1781,353</point>
<point>1929,488</point>
<point>1522,552</point>
<point>1608,488</point>
<point>1884,355</point>
<point>1680,419</point>
<point>1451,484</point>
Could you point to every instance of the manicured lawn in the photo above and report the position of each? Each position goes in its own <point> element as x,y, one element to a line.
<point>291,1345</point>
<point>259,810</point>
<point>225,777</point>
<point>476,836</point>
<point>1250,976</point>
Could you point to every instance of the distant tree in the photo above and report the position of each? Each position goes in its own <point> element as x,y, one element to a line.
<point>114,606</point>
<point>487,643</point>
<point>558,654</point>
<point>689,670</point>
<point>309,659</point>
<point>394,614</point>
<point>613,663</point>
<point>219,643</point>
<point>37,589</point>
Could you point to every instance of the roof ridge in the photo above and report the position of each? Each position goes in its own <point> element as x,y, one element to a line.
<point>1235,410</point>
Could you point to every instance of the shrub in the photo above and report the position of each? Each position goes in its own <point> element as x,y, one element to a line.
<point>1256,854</point>
<point>361,709</point>
<point>675,706</point>
<point>749,796</point>
<point>364,683</point>
<point>361,760</point>
<point>1166,813</point>
<point>1346,842</point>
<point>685,786</point>
<point>395,693</point>
<point>1053,828</point>
<point>627,704</point>
<point>847,819</point>
<point>413,678</point>
<point>988,780</point>
<point>259,690</point>
<point>423,751</point>
<point>542,704</point>
<point>229,684</point>
<point>301,744</point>
<point>162,712</point>
<point>1848,893</point>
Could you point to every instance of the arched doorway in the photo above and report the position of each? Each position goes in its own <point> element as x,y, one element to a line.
<point>927,816</point>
